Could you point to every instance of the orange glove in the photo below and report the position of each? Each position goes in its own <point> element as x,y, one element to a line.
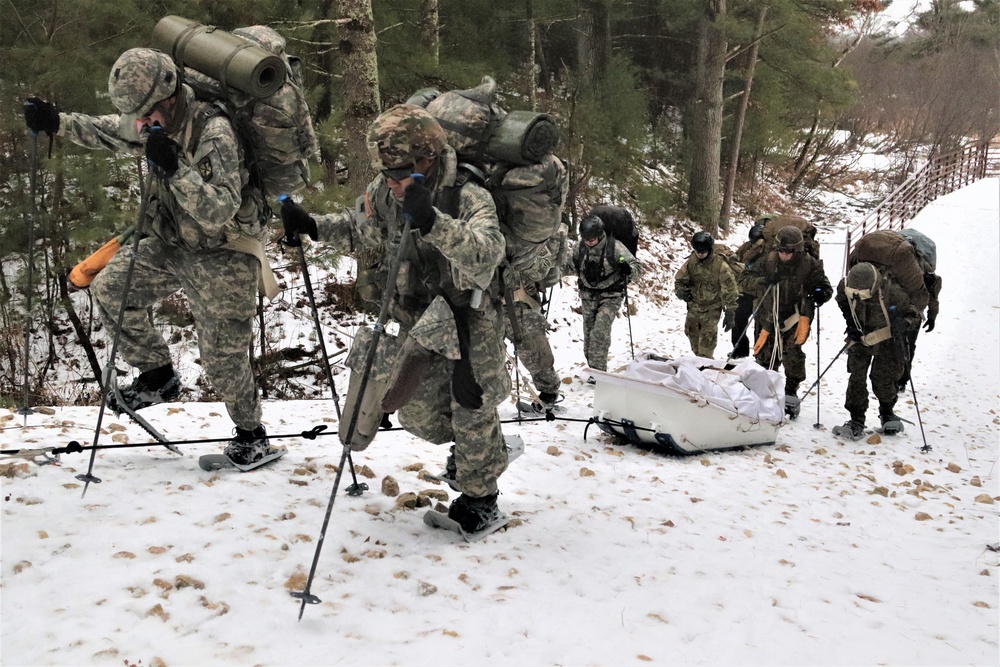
<point>84,273</point>
<point>761,339</point>
<point>802,331</point>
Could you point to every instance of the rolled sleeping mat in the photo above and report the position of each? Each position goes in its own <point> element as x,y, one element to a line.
<point>523,137</point>
<point>234,61</point>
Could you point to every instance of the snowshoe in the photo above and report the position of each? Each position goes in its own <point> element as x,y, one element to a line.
<point>139,395</point>
<point>546,403</point>
<point>851,430</point>
<point>436,519</point>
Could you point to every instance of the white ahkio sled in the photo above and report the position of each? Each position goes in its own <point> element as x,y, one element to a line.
<point>691,404</point>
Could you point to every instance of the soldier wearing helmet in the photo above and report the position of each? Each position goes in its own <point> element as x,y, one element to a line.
<point>198,207</point>
<point>879,315</point>
<point>708,286</point>
<point>603,266</point>
<point>793,284</point>
<point>751,250</point>
<point>449,373</point>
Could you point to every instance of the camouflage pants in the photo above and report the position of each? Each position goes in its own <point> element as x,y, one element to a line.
<point>886,366</point>
<point>532,347</point>
<point>434,415</point>
<point>792,356</point>
<point>911,348</point>
<point>741,343</point>
<point>599,312</point>
<point>221,288</point>
<point>702,329</point>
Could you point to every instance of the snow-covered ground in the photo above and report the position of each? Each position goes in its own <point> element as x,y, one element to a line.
<point>811,551</point>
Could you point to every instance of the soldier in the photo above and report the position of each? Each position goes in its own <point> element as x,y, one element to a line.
<point>747,253</point>
<point>199,204</point>
<point>527,328</point>
<point>604,267</point>
<point>708,285</point>
<point>793,284</point>
<point>879,314</point>
<point>446,291</point>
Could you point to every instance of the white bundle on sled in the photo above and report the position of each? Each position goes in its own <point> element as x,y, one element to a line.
<point>690,404</point>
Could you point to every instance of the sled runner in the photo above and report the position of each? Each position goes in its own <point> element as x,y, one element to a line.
<point>691,404</point>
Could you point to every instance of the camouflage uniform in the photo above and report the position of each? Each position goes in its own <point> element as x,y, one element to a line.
<point>460,254</point>
<point>602,290</point>
<point>712,287</point>
<point>747,253</point>
<point>191,216</point>
<point>801,286</point>
<point>532,345</point>
<point>884,357</point>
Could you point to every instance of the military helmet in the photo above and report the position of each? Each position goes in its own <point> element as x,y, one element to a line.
<point>139,79</point>
<point>756,232</point>
<point>591,228</point>
<point>862,281</point>
<point>789,239</point>
<point>401,135</point>
<point>702,242</point>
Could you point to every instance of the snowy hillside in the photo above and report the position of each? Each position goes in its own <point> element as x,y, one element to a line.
<point>810,551</point>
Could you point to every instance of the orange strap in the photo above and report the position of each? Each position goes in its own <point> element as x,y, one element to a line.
<point>761,339</point>
<point>84,273</point>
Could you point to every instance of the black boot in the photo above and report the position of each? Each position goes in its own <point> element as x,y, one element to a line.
<point>159,385</point>
<point>474,514</point>
<point>248,446</point>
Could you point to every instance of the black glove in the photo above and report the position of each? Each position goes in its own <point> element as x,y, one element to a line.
<point>296,221</point>
<point>772,279</point>
<point>729,321</point>
<point>929,324</point>
<point>820,296</point>
<point>685,293</point>
<point>41,116</point>
<point>853,333</point>
<point>624,269</point>
<point>464,387</point>
<point>162,151</point>
<point>418,203</point>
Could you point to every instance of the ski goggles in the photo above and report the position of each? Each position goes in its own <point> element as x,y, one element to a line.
<point>398,173</point>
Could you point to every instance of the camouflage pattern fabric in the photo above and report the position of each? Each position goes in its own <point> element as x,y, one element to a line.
<point>401,134</point>
<point>599,312</point>
<point>597,267</point>
<point>792,356</point>
<point>220,288</point>
<point>934,287</point>
<point>713,288</point>
<point>533,347</point>
<point>885,359</point>
<point>190,215</point>
<point>139,79</point>
<point>458,255</point>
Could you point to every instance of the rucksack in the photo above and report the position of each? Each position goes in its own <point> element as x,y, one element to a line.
<point>925,247</point>
<point>808,230</point>
<point>511,155</point>
<point>734,263</point>
<point>890,252</point>
<point>619,223</point>
<point>275,130</point>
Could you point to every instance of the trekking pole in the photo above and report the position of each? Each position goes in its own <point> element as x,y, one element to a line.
<point>355,489</point>
<point>628,316</point>
<point>906,358</point>
<point>390,292</point>
<point>837,356</point>
<point>140,223</point>
<point>32,178</point>
<point>817,425</point>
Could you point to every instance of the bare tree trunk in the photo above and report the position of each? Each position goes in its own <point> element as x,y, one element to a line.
<point>734,155</point>
<point>706,119</point>
<point>594,42</point>
<point>360,87</point>
<point>429,24</point>
<point>529,12</point>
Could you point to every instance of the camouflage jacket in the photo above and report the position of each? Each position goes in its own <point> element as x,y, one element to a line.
<point>196,208</point>
<point>597,266</point>
<point>801,286</point>
<point>710,282</point>
<point>458,255</point>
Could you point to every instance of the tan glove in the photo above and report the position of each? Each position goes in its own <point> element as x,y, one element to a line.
<point>802,330</point>
<point>761,339</point>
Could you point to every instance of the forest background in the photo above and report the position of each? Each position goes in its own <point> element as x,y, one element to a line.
<point>692,113</point>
